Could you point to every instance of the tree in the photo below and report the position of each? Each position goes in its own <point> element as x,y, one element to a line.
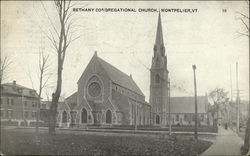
<point>244,19</point>
<point>43,80</point>
<point>4,66</point>
<point>43,76</point>
<point>220,99</point>
<point>60,44</point>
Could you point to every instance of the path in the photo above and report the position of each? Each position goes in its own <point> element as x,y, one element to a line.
<point>227,143</point>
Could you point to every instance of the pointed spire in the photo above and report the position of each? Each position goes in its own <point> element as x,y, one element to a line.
<point>159,36</point>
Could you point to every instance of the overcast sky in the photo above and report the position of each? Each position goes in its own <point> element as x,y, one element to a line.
<point>207,38</point>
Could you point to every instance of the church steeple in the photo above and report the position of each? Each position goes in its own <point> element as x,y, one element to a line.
<point>159,79</point>
<point>159,36</point>
<point>159,48</point>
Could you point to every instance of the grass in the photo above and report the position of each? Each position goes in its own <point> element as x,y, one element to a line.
<point>25,143</point>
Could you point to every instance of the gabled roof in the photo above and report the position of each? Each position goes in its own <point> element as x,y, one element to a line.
<point>72,100</point>
<point>120,78</point>
<point>18,90</point>
<point>186,104</point>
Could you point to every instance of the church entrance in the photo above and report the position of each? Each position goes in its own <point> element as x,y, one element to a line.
<point>108,117</point>
<point>157,119</point>
<point>84,115</point>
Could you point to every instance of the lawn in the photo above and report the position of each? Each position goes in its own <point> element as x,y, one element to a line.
<point>24,143</point>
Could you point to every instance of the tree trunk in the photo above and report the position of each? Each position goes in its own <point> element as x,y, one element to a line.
<point>37,117</point>
<point>53,115</point>
<point>55,98</point>
<point>247,136</point>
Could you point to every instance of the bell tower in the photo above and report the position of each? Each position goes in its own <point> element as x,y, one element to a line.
<point>159,79</point>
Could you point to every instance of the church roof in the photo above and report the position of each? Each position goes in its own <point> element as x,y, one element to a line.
<point>120,78</point>
<point>72,100</point>
<point>159,35</point>
<point>186,104</point>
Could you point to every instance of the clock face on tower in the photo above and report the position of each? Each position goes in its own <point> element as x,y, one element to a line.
<point>94,89</point>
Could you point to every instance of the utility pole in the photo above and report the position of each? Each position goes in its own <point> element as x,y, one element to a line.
<point>231,84</point>
<point>237,101</point>
<point>136,107</point>
<point>231,99</point>
<point>195,102</point>
<point>169,108</point>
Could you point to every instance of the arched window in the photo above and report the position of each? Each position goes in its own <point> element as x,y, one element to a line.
<point>64,117</point>
<point>84,115</point>
<point>108,117</point>
<point>157,119</point>
<point>157,78</point>
<point>177,117</point>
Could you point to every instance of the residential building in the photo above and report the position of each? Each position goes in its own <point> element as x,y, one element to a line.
<point>19,104</point>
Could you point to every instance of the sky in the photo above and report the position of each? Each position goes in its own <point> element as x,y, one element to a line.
<point>207,38</point>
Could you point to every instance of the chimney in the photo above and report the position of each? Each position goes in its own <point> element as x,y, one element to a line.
<point>14,82</point>
<point>131,76</point>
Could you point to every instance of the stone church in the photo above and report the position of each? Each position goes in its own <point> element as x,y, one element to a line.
<point>107,96</point>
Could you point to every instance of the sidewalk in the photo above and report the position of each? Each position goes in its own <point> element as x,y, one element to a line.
<point>227,143</point>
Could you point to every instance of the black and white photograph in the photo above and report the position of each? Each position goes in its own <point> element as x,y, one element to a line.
<point>167,78</point>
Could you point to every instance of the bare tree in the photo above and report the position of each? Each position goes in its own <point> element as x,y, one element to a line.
<point>44,76</point>
<point>4,65</point>
<point>244,19</point>
<point>220,99</point>
<point>60,43</point>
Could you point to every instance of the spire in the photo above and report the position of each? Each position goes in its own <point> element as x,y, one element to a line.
<point>159,36</point>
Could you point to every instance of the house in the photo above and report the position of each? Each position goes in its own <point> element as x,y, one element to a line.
<point>183,111</point>
<point>19,104</point>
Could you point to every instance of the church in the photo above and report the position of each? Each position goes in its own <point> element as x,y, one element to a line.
<point>107,96</point>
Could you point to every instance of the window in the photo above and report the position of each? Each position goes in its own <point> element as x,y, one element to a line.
<point>157,119</point>
<point>33,104</point>
<point>1,101</point>
<point>108,117</point>
<point>94,89</point>
<point>10,113</point>
<point>26,114</point>
<point>202,117</point>
<point>64,117</point>
<point>33,114</point>
<point>185,117</point>
<point>177,117</point>
<point>98,116</point>
<point>12,101</point>
<point>25,103</point>
<point>157,78</point>
<point>8,101</point>
<point>2,113</point>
